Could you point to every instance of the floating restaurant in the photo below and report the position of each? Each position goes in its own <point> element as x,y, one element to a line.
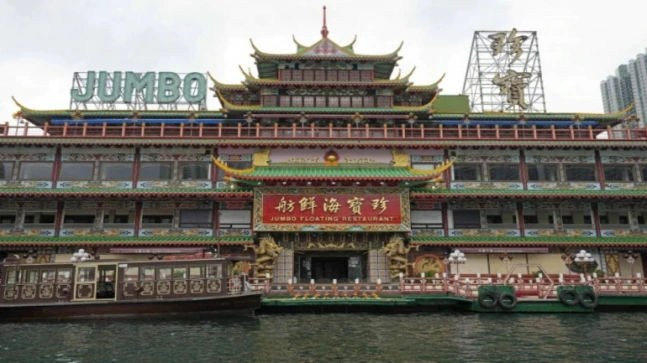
<point>322,165</point>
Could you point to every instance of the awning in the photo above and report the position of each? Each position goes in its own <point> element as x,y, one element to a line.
<point>117,251</point>
<point>506,250</point>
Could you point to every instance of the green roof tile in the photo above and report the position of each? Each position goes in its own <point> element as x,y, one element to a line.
<point>125,240</point>
<point>64,191</point>
<point>530,240</point>
<point>527,193</point>
<point>306,171</point>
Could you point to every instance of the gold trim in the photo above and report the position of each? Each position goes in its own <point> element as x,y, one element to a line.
<point>223,165</point>
<point>438,170</point>
<point>261,158</point>
<point>401,159</point>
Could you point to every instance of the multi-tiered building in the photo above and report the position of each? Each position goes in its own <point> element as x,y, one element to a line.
<point>327,165</point>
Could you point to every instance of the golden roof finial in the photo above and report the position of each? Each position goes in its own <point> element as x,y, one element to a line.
<point>324,28</point>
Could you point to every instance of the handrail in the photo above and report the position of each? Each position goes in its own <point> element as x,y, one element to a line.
<point>256,131</point>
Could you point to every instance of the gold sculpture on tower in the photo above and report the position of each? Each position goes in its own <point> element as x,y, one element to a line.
<point>266,253</point>
<point>397,253</point>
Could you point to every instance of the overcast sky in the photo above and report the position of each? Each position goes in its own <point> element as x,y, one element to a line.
<point>42,43</point>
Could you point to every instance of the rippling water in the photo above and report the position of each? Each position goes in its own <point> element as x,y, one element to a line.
<point>335,337</point>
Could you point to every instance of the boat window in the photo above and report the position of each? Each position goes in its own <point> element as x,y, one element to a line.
<point>47,276</point>
<point>11,277</point>
<point>36,171</point>
<point>214,271</point>
<point>195,171</point>
<point>76,171</point>
<point>164,273</point>
<point>31,277</point>
<point>147,273</point>
<point>155,171</point>
<point>195,272</point>
<point>64,276</point>
<point>116,171</point>
<point>179,273</point>
<point>86,274</point>
<point>131,274</point>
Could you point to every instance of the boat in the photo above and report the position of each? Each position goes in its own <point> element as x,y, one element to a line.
<point>86,287</point>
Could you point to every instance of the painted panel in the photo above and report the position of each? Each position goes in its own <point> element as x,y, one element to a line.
<point>95,156</point>
<point>26,184</point>
<point>29,232</point>
<point>564,186</point>
<point>202,232</point>
<point>206,184</point>
<point>485,232</point>
<point>556,158</point>
<point>95,184</point>
<point>623,233</point>
<point>353,156</point>
<point>626,186</point>
<point>427,233</point>
<point>113,232</point>
<point>486,185</point>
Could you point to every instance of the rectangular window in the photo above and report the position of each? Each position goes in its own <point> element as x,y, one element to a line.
<point>320,75</point>
<point>530,219</point>
<point>503,172</point>
<point>308,101</point>
<point>285,101</point>
<point>344,101</point>
<point>179,273</point>
<point>269,101</point>
<point>47,276</point>
<point>195,272</point>
<point>467,219</point>
<point>354,76</point>
<point>333,101</point>
<point>214,271</point>
<point>494,219</point>
<point>85,274</point>
<point>366,76</point>
<point>384,101</point>
<point>35,171</point>
<point>147,273</point>
<point>7,219</point>
<point>332,75</point>
<point>467,172</point>
<point>76,171</point>
<point>297,101</point>
<point>369,101</point>
<point>343,76</point>
<point>12,277</point>
<point>619,173</point>
<point>81,219</point>
<point>6,170</point>
<point>286,74</point>
<point>30,277</point>
<point>308,75</point>
<point>643,171</point>
<point>156,171</point>
<point>40,218</point>
<point>116,171</point>
<point>195,218</point>
<point>155,221</point>
<point>580,172</point>
<point>63,276</point>
<point>296,75</point>
<point>195,171</point>
<point>132,273</point>
<point>320,101</point>
<point>164,273</point>
<point>357,101</point>
<point>542,172</point>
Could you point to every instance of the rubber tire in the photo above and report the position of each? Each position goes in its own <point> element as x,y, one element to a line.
<point>507,301</point>
<point>574,301</point>
<point>592,296</point>
<point>488,299</point>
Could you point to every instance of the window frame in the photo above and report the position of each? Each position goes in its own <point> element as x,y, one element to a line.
<point>592,166</point>
<point>102,175</point>
<point>183,164</point>
<point>631,173</point>
<point>503,165</point>
<point>41,163</point>
<point>75,178</point>
<point>7,176</point>
<point>143,164</point>
<point>479,172</point>
<point>531,166</point>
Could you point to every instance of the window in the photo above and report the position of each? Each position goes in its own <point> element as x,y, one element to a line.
<point>214,271</point>
<point>179,273</point>
<point>604,219</point>
<point>297,101</point>
<point>643,171</point>
<point>467,219</point>
<point>357,101</point>
<point>30,277</point>
<point>320,75</point>
<point>308,101</point>
<point>567,220</point>
<point>333,101</point>
<point>343,76</point>
<point>157,219</point>
<point>131,274</point>
<point>332,75</point>
<point>85,274</point>
<point>504,172</point>
<point>285,101</point>
<point>164,273</point>
<point>12,277</point>
<point>354,76</point>
<point>194,171</point>
<point>7,218</point>
<point>366,76</point>
<point>308,75</point>
<point>116,171</point>
<point>494,219</point>
<point>530,219</point>
<point>76,171</point>
<point>368,101</point>
<point>6,169</point>
<point>36,171</point>
<point>320,101</point>
<point>269,101</point>
<point>580,172</point>
<point>623,219</point>
<point>195,218</point>
<point>195,272</point>
<point>156,171</point>
<point>78,219</point>
<point>63,276</point>
<point>297,75</point>
<point>467,172</point>
<point>344,101</point>
<point>383,101</point>
<point>147,273</point>
<point>47,276</point>
<point>42,218</point>
<point>120,217</point>
<point>542,172</point>
<point>619,173</point>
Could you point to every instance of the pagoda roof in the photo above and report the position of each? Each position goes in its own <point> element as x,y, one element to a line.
<point>398,172</point>
<point>113,241</point>
<point>326,48</point>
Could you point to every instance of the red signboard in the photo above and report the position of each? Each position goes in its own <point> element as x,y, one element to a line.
<point>376,209</point>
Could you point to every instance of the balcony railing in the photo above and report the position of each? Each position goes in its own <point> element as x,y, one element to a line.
<point>255,131</point>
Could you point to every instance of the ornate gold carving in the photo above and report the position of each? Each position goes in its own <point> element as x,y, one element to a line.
<point>84,291</point>
<point>262,158</point>
<point>147,288</point>
<point>397,255</point>
<point>10,292</point>
<point>266,253</point>
<point>401,159</point>
<point>46,291</point>
<point>163,287</point>
<point>214,286</point>
<point>179,287</point>
<point>197,287</point>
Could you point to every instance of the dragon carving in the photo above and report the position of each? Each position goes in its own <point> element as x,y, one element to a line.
<point>397,255</point>
<point>266,254</point>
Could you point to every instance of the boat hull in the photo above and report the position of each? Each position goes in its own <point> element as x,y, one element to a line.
<point>223,305</point>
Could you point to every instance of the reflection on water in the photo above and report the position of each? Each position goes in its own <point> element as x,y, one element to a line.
<point>338,337</point>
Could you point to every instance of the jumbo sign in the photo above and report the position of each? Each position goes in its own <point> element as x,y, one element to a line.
<point>319,209</point>
<point>151,87</point>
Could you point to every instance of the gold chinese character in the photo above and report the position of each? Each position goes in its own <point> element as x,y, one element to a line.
<point>355,205</point>
<point>285,206</point>
<point>380,203</point>
<point>308,203</point>
<point>331,205</point>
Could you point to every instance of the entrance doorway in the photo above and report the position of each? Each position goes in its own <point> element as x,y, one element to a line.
<point>328,266</point>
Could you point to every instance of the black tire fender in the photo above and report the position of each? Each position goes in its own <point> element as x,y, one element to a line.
<point>589,299</point>
<point>507,301</point>
<point>488,299</point>
<point>569,297</point>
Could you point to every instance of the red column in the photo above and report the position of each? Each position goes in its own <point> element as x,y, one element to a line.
<point>135,176</point>
<point>599,169</point>
<point>596,218</point>
<point>447,175</point>
<point>56,167</point>
<point>523,169</point>
<point>522,224</point>
<point>445,219</point>
<point>138,217</point>
<point>214,169</point>
<point>59,217</point>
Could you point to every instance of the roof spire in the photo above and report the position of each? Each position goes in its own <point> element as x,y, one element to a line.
<point>324,29</point>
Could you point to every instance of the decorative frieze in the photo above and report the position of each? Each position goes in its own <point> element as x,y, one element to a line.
<point>485,232</point>
<point>429,159</point>
<point>187,204</point>
<point>460,205</point>
<point>174,157</point>
<point>115,157</point>
<point>187,232</point>
<point>175,184</point>
<point>95,184</point>
<point>28,156</point>
<point>555,159</point>
<point>564,186</point>
<point>17,184</point>
<point>616,159</point>
<point>487,185</point>
<point>490,159</point>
